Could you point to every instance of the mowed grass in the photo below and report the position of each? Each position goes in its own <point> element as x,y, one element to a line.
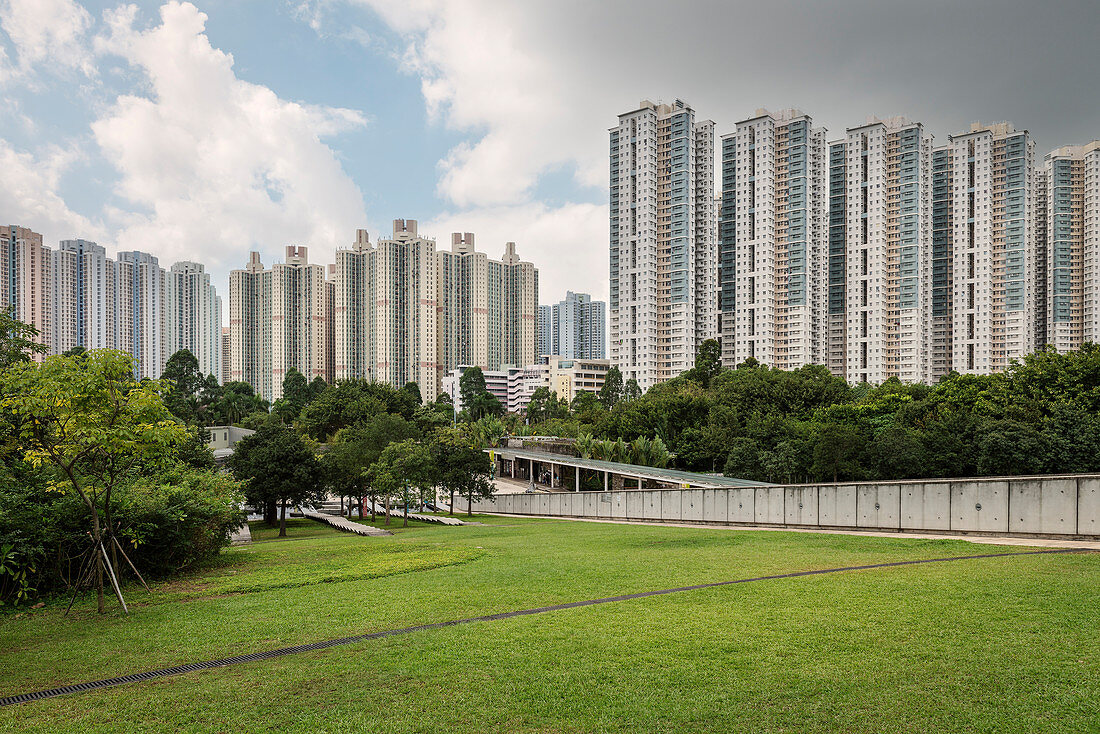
<point>986,645</point>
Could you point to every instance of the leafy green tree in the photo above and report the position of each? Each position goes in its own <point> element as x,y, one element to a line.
<point>316,387</point>
<point>412,390</point>
<point>461,467</point>
<point>708,362</point>
<point>277,465</point>
<point>296,394</point>
<point>1009,447</point>
<point>366,441</point>
<point>611,392</point>
<point>19,342</point>
<point>544,405</point>
<point>233,402</point>
<point>835,450</point>
<point>631,390</point>
<point>89,418</point>
<point>403,470</point>
<point>185,380</point>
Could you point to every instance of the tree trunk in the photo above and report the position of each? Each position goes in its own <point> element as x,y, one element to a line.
<point>452,508</point>
<point>470,505</point>
<point>387,508</point>
<point>282,522</point>
<point>362,499</point>
<point>271,512</point>
<point>406,523</point>
<point>98,561</point>
<point>372,513</point>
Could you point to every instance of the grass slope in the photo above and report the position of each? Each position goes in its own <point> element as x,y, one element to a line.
<point>1006,644</point>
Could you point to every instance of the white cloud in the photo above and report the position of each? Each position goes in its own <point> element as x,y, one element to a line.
<point>41,31</point>
<point>28,190</point>
<point>485,68</point>
<point>213,164</point>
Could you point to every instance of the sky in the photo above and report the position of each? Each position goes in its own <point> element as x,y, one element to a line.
<point>203,130</point>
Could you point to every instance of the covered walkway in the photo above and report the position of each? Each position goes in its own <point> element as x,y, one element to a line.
<point>545,470</point>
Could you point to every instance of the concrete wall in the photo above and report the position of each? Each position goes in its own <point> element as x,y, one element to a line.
<point>1063,506</point>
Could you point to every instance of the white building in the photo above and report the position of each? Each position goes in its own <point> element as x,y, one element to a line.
<point>1071,189</point>
<point>574,328</point>
<point>663,248</point>
<point>775,241</point>
<point>888,251</point>
<point>994,251</point>
<point>195,316</point>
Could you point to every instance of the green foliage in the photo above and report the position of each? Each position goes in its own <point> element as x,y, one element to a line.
<point>350,402</point>
<point>805,425</point>
<point>461,467</point>
<point>277,465</point>
<point>18,341</point>
<point>612,390</point>
<point>404,470</point>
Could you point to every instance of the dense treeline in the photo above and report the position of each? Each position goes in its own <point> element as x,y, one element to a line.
<point>1039,416</point>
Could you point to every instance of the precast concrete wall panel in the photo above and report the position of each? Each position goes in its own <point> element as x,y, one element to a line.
<point>769,505</point>
<point>670,504</point>
<point>634,505</point>
<point>1088,506</point>
<point>1042,506</point>
<point>800,505</point>
<point>555,504</point>
<point>836,505</point>
<point>714,505</point>
<point>590,502</point>
<point>543,504</point>
<point>878,506</point>
<point>979,507</point>
<point>926,506</point>
<point>651,505</point>
<point>742,505</point>
<point>691,504</point>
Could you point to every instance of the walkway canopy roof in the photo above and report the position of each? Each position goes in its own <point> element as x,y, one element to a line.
<point>634,471</point>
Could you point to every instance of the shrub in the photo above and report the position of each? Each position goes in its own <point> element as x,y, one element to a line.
<point>168,522</point>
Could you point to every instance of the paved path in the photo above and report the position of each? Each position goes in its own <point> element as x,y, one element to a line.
<point>241,536</point>
<point>980,539</point>
<point>269,654</point>
<point>342,523</point>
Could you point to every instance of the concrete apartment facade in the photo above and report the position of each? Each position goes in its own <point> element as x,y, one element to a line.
<point>574,328</point>
<point>663,254</point>
<point>774,241</point>
<point>195,316</point>
<point>407,312</point>
<point>1070,186</point>
<point>994,252</point>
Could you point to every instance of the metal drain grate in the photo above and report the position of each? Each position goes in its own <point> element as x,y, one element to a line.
<point>269,654</point>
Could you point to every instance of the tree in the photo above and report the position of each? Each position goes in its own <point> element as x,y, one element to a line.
<point>708,362</point>
<point>92,420</point>
<point>316,388</point>
<point>277,465</point>
<point>612,390</point>
<point>544,405</point>
<point>233,402</point>
<point>296,393</point>
<point>18,341</point>
<point>462,468</point>
<point>402,467</point>
<point>631,391</point>
<point>412,390</point>
<point>365,442</point>
<point>835,450</point>
<point>185,381</point>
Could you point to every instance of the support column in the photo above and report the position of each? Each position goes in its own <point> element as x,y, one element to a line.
<point>531,476</point>
<point>605,481</point>
<point>513,468</point>
<point>639,482</point>
<point>578,489</point>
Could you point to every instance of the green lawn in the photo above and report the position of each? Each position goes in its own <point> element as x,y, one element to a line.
<point>989,645</point>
